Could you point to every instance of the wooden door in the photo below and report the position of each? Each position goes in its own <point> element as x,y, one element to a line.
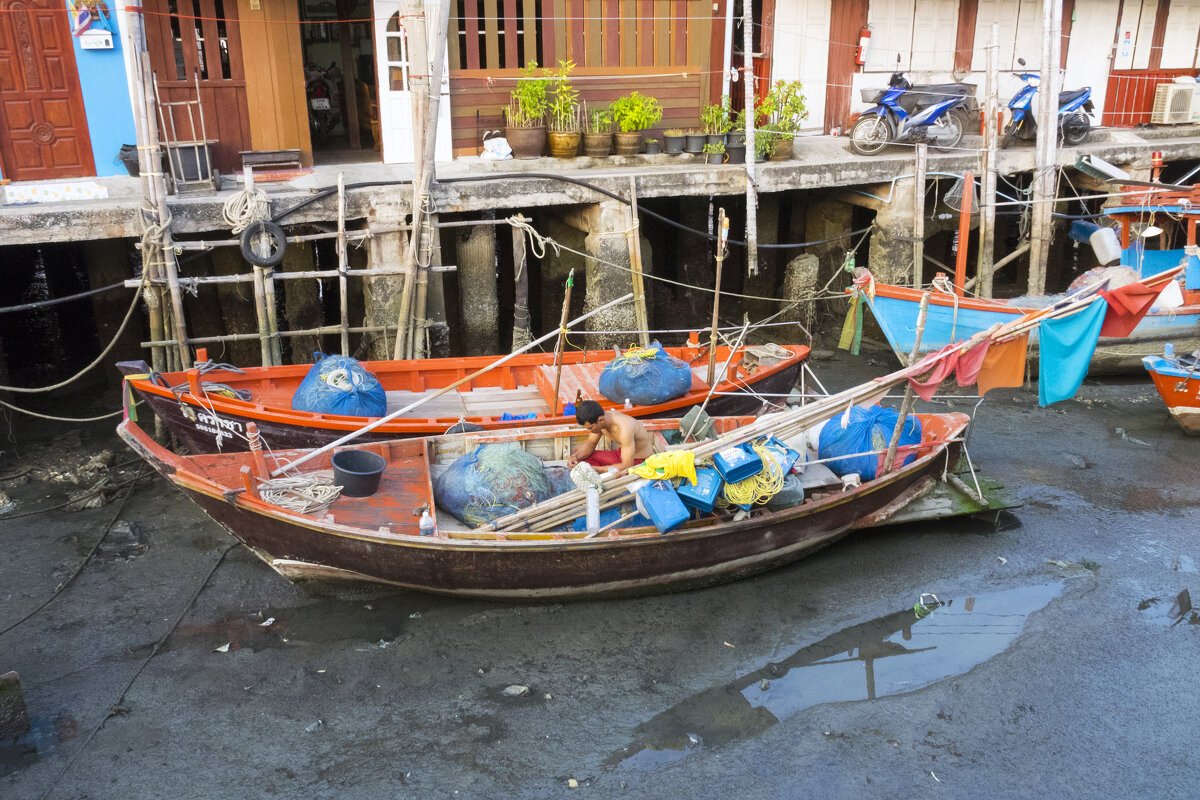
<point>200,39</point>
<point>43,127</point>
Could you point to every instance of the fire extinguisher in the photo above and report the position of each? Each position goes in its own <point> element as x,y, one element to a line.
<point>864,41</point>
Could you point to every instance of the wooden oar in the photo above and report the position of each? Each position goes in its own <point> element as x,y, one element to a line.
<point>384,420</point>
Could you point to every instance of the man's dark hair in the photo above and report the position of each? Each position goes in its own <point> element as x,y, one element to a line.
<point>587,412</point>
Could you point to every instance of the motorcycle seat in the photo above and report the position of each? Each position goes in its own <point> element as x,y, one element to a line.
<point>928,94</point>
<point>949,89</point>
<point>1067,97</point>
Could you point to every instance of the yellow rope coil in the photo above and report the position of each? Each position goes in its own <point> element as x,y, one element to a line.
<point>757,489</point>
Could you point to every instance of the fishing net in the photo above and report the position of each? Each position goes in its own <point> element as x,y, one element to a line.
<point>863,435</point>
<point>645,376</point>
<point>340,385</point>
<point>491,482</point>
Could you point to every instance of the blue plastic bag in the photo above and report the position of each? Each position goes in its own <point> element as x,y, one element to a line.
<point>340,385</point>
<point>868,430</point>
<point>645,377</point>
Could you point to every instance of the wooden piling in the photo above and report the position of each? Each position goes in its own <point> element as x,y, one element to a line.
<point>909,397</point>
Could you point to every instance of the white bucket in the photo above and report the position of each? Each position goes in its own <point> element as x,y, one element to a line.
<point>1105,246</point>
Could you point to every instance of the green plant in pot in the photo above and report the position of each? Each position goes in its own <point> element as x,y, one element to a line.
<point>673,141</point>
<point>563,112</point>
<point>715,120</point>
<point>693,141</point>
<point>597,139</point>
<point>783,110</point>
<point>714,152</point>
<point>653,147</point>
<point>525,117</point>
<point>633,114</point>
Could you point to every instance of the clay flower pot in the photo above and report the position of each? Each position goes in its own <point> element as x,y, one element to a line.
<point>564,145</point>
<point>597,145</point>
<point>628,142</point>
<point>526,142</point>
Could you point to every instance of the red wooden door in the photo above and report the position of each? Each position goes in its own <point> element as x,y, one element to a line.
<point>43,128</point>
<point>190,39</point>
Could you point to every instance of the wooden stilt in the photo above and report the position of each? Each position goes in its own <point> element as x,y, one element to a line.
<point>521,335</point>
<point>343,299</point>
<point>906,406</point>
<point>634,239</point>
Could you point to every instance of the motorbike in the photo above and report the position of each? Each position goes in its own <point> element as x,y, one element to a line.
<point>321,96</point>
<point>1074,112</point>
<point>935,113</point>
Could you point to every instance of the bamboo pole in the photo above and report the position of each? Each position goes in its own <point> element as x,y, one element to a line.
<point>634,239</point>
<point>750,95</point>
<point>562,337</point>
<point>423,400</point>
<point>712,386</point>
<point>984,268</point>
<point>919,215</point>
<point>722,238</point>
<point>260,314</point>
<point>343,298</point>
<point>907,404</point>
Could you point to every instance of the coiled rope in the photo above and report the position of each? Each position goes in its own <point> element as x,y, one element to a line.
<point>757,489</point>
<point>303,494</point>
<point>245,208</point>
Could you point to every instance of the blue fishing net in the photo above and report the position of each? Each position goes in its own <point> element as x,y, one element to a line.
<point>340,385</point>
<point>867,431</point>
<point>645,376</point>
<point>491,482</point>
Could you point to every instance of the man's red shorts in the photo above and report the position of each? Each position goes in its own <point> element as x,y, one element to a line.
<point>608,458</point>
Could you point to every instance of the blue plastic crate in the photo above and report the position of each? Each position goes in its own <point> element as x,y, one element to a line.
<point>737,463</point>
<point>704,494</point>
<point>663,505</point>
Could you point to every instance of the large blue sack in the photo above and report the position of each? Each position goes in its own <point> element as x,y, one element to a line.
<point>340,385</point>
<point>491,482</point>
<point>867,430</point>
<point>645,377</point>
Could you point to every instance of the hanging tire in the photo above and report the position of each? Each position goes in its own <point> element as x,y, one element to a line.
<point>948,131</point>
<point>263,243</point>
<point>1075,128</point>
<point>870,135</point>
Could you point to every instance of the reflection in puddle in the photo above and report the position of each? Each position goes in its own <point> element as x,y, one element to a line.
<point>888,655</point>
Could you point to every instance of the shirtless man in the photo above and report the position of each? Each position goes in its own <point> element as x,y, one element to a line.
<point>629,433</point>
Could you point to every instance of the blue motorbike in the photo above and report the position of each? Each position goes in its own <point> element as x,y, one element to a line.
<point>1074,112</point>
<point>934,113</point>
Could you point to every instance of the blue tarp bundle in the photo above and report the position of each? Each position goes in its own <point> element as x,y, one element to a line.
<point>867,430</point>
<point>340,385</point>
<point>1065,348</point>
<point>645,377</point>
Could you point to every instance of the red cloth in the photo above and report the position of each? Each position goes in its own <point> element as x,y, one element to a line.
<point>925,388</point>
<point>608,458</point>
<point>1126,307</point>
<point>970,362</point>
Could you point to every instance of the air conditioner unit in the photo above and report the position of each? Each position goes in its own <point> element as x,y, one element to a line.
<point>1175,104</point>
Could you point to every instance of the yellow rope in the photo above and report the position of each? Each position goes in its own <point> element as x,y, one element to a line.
<point>757,488</point>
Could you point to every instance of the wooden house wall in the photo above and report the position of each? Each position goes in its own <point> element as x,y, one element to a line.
<point>662,48</point>
<point>271,51</point>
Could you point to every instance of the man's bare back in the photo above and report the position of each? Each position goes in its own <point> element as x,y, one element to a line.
<point>633,441</point>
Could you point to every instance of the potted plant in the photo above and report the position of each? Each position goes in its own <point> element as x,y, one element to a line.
<point>597,139</point>
<point>632,115</point>
<point>737,152</point>
<point>562,112</point>
<point>784,109</point>
<point>694,141</point>
<point>673,139</point>
<point>524,119</point>
<point>653,147</point>
<point>737,133</point>
<point>715,153</point>
<point>715,121</point>
<point>766,139</point>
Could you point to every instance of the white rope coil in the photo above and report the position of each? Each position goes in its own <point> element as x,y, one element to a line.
<point>304,494</point>
<point>245,208</point>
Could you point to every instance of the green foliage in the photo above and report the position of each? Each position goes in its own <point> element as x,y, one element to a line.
<point>527,102</point>
<point>635,112</point>
<point>765,139</point>
<point>715,118</point>
<point>673,132</point>
<point>563,100</point>
<point>783,107</point>
<point>716,147</point>
<point>599,122</point>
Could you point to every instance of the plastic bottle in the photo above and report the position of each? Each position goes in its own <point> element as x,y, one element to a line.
<point>427,524</point>
<point>1169,350</point>
<point>627,403</point>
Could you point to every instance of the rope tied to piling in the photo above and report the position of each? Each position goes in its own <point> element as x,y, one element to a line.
<point>245,208</point>
<point>537,242</point>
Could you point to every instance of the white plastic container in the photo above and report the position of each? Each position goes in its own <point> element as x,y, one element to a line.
<point>1105,245</point>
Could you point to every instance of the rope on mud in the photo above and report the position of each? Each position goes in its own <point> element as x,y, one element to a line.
<point>118,707</point>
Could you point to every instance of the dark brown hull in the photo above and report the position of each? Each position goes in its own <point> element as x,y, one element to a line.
<point>702,553</point>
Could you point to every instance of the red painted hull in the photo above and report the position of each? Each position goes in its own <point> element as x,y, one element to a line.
<point>1182,397</point>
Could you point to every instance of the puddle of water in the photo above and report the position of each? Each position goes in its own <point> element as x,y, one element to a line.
<point>43,738</point>
<point>889,655</point>
<point>316,623</point>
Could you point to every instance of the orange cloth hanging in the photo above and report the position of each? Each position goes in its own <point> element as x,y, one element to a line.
<point>1126,307</point>
<point>1004,365</point>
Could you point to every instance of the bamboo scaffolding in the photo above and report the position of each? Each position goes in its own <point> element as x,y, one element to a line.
<point>343,295</point>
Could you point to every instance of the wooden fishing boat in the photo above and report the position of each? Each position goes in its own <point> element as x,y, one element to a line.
<point>208,421</point>
<point>1177,379</point>
<point>952,316</point>
<point>377,538</point>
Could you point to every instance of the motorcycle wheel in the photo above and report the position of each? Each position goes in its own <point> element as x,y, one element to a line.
<point>870,135</point>
<point>1010,133</point>
<point>1075,128</point>
<point>948,131</point>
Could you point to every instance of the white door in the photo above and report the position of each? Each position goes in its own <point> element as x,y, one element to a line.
<point>395,99</point>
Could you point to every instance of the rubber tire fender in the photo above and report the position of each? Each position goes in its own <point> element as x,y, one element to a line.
<point>251,234</point>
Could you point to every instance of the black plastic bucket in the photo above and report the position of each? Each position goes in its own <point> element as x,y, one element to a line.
<point>358,472</point>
